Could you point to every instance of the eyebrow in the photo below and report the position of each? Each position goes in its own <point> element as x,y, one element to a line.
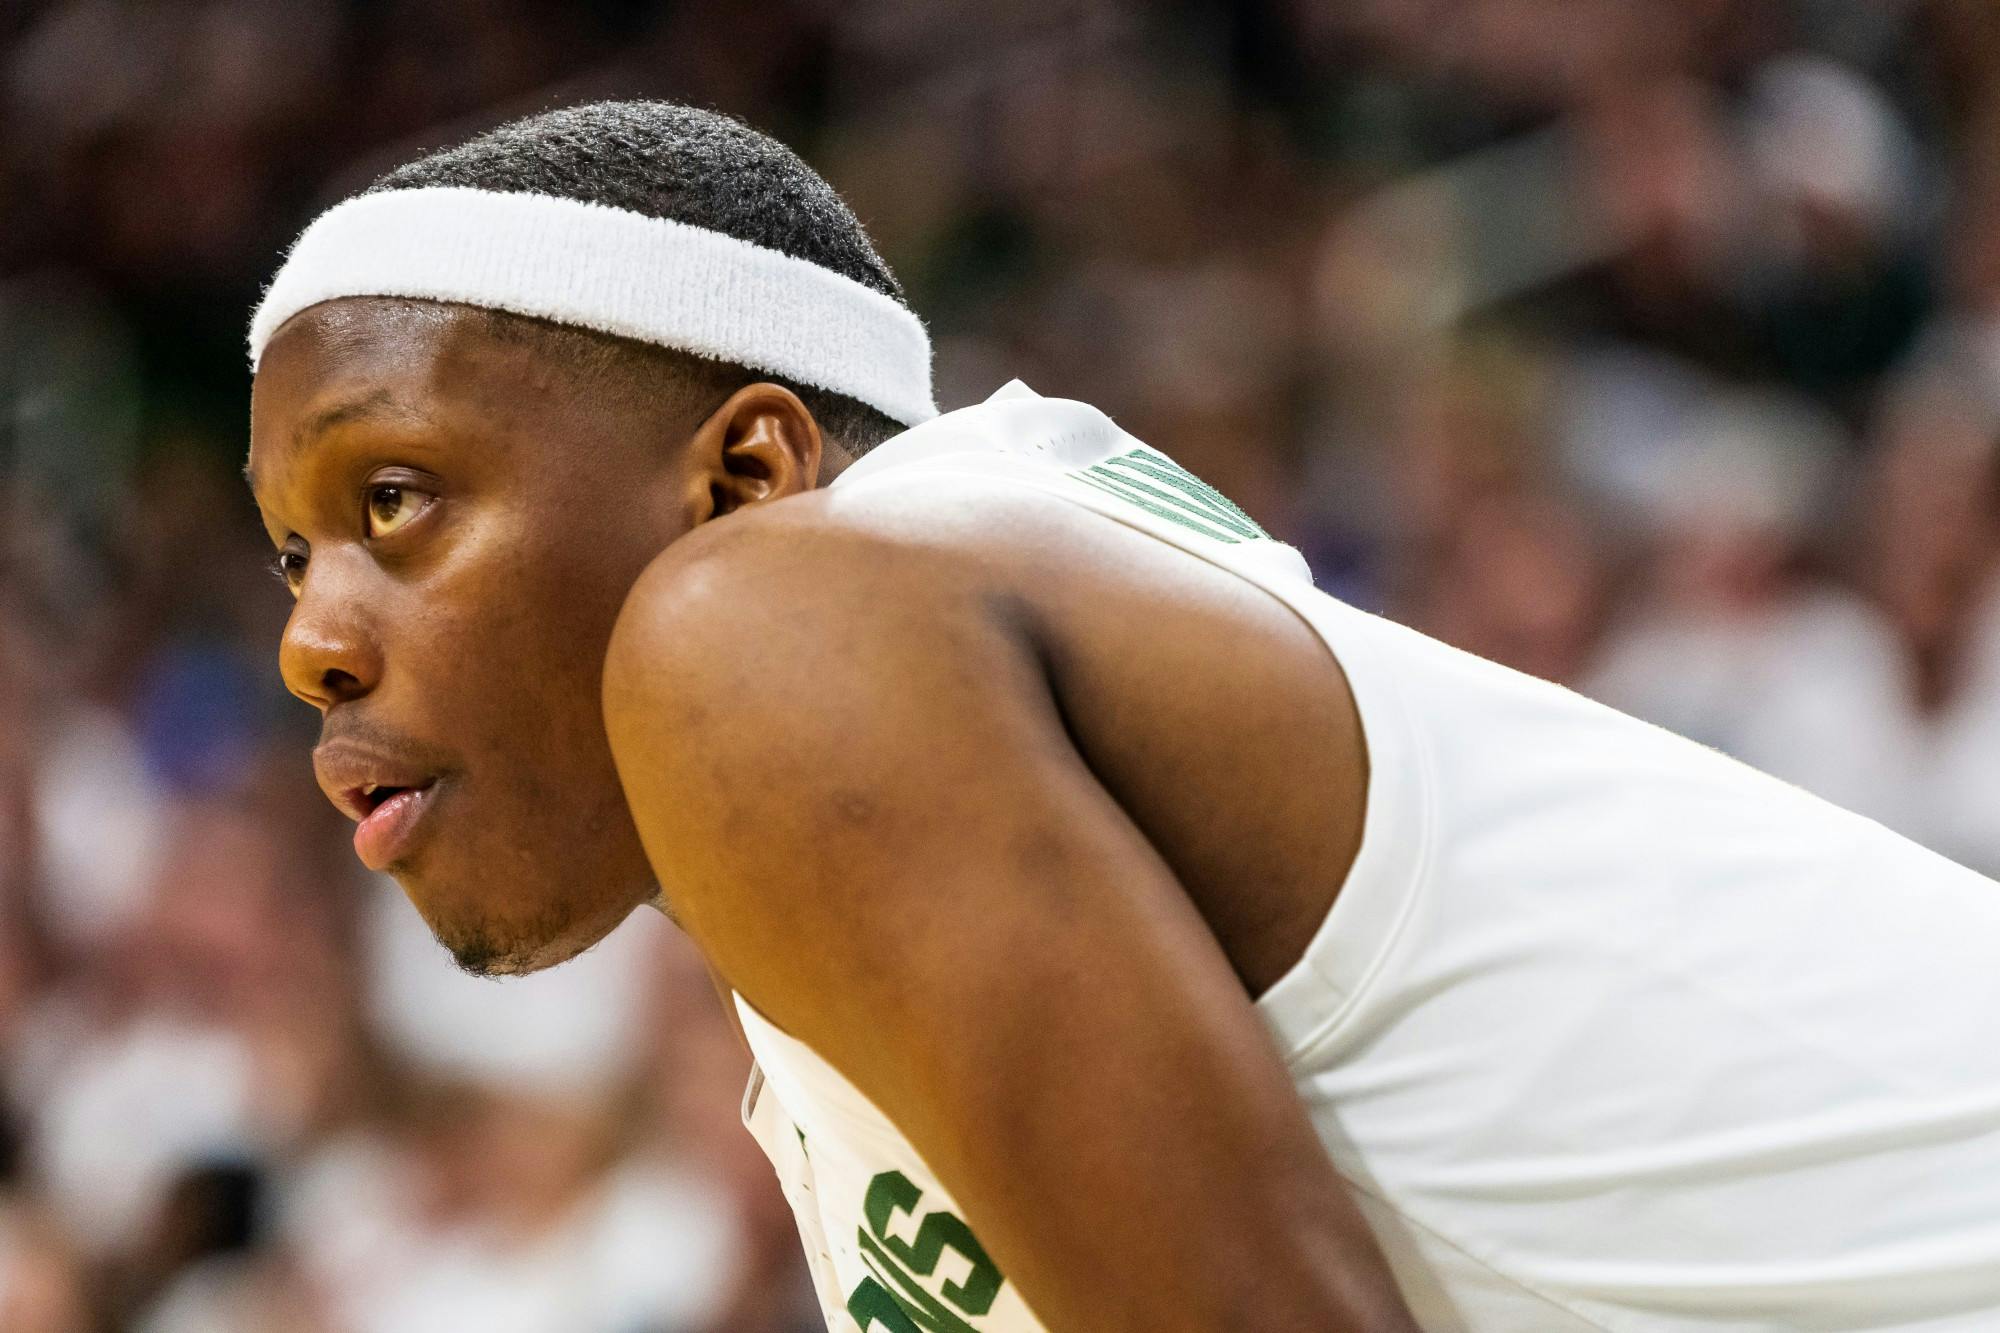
<point>380,405</point>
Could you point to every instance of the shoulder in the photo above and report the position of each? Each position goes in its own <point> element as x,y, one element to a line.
<point>841,610</point>
<point>835,565</point>
<point>805,674</point>
<point>779,571</point>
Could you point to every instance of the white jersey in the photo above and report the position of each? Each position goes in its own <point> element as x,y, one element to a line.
<point>1604,1030</point>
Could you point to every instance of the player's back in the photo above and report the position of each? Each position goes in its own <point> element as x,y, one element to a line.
<point>1604,1029</point>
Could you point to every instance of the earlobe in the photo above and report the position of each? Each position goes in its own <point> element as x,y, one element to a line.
<point>760,445</point>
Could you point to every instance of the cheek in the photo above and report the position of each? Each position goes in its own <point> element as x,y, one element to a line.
<point>539,857</point>
<point>529,598</point>
<point>516,643</point>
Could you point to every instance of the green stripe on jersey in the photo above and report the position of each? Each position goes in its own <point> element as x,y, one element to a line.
<point>1161,468</point>
<point>1150,481</point>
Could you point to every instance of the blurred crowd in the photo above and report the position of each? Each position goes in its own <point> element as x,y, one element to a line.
<point>1651,346</point>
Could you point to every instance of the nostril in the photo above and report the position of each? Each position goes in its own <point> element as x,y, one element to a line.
<point>338,684</point>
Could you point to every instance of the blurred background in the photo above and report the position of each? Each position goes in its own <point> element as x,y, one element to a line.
<point>1651,346</point>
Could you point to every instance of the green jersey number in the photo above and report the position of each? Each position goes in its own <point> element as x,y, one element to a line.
<point>891,1298</point>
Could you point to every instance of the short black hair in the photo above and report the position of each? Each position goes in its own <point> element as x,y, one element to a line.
<point>688,165</point>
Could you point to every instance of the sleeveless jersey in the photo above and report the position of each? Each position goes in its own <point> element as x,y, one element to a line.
<point>1604,1030</point>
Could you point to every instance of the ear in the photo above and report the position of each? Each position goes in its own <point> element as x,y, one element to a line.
<point>760,445</point>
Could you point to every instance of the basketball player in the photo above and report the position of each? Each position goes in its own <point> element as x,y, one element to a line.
<point>1125,932</point>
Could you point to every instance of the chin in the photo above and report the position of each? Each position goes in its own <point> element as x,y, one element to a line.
<point>479,956</point>
<point>486,945</point>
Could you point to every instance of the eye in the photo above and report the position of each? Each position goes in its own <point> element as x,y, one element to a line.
<point>391,507</point>
<point>289,568</point>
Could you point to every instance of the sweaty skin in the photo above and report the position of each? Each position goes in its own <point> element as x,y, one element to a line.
<point>1005,811</point>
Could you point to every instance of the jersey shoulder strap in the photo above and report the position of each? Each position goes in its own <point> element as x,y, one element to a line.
<point>1071,447</point>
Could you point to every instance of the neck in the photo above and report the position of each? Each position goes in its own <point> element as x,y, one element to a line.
<point>833,460</point>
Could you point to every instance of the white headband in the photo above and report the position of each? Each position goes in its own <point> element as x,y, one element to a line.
<point>616,271</point>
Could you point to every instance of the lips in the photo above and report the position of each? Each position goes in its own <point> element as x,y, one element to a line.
<point>387,794</point>
<point>386,834</point>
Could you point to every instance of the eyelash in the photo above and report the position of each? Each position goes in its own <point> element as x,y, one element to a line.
<point>278,570</point>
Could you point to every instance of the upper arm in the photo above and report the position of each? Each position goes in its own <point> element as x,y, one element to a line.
<point>863,804</point>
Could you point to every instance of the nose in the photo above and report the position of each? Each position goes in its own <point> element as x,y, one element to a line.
<point>329,654</point>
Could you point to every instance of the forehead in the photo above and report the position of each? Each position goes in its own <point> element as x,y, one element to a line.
<point>416,363</point>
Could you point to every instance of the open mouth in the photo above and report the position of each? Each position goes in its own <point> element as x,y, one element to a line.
<point>362,801</point>
<point>387,793</point>
<point>390,817</point>
<point>373,796</point>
